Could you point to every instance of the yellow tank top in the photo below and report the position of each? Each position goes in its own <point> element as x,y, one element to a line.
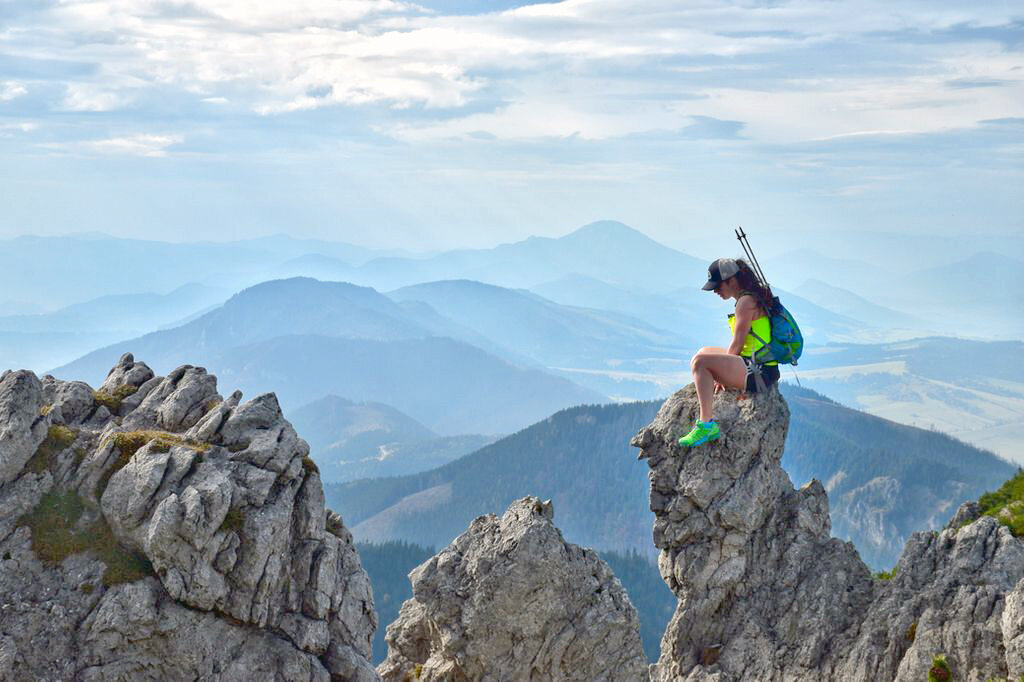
<point>762,326</point>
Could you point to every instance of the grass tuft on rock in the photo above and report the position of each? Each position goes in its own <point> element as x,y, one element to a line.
<point>1006,505</point>
<point>57,534</point>
<point>129,442</point>
<point>112,401</point>
<point>58,438</point>
<point>886,575</point>
<point>310,466</point>
<point>940,671</point>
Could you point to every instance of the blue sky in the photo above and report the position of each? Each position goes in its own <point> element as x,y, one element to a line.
<point>454,123</point>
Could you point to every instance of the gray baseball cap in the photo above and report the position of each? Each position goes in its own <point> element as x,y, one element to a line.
<point>719,271</point>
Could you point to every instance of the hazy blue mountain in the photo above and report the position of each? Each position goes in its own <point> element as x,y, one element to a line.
<point>980,278</point>
<point>449,386</point>
<point>791,269</point>
<point>848,304</point>
<point>887,250</point>
<point>607,249</point>
<point>350,440</point>
<point>552,334</point>
<point>261,312</point>
<point>973,390</point>
<point>77,268</point>
<point>319,267</point>
<point>332,422</point>
<point>977,296</point>
<point>41,341</point>
<point>581,458</point>
<point>119,313</point>
<point>305,339</point>
<point>969,292</point>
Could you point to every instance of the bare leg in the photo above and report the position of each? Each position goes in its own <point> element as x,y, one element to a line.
<point>710,366</point>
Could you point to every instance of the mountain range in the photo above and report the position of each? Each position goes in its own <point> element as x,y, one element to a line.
<point>886,479</point>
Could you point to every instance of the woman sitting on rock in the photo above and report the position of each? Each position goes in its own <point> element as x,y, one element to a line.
<point>717,368</point>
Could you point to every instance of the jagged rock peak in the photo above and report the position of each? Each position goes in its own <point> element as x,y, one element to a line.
<point>509,599</point>
<point>765,593</point>
<point>174,534</point>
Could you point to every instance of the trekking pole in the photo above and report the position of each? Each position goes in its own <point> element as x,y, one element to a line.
<point>749,250</point>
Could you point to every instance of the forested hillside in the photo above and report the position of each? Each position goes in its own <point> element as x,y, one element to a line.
<point>885,479</point>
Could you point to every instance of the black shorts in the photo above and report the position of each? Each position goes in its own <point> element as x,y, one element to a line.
<point>769,374</point>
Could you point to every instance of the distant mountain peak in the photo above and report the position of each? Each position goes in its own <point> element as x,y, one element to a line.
<point>606,229</point>
<point>293,284</point>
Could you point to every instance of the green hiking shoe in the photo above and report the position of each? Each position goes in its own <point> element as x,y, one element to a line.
<point>701,433</point>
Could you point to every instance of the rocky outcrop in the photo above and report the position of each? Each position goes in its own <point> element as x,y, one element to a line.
<point>765,593</point>
<point>509,599</point>
<point>152,529</point>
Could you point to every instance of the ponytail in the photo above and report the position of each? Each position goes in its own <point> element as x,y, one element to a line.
<point>750,282</point>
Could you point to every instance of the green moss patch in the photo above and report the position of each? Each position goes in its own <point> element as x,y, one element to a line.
<point>233,520</point>
<point>310,466</point>
<point>57,534</point>
<point>57,439</point>
<point>1006,505</point>
<point>112,401</point>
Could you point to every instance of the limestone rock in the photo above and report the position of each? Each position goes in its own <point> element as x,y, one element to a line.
<point>765,593</point>
<point>22,426</point>
<point>509,599</point>
<point>151,529</point>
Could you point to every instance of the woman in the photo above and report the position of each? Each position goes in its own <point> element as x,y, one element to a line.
<point>715,368</point>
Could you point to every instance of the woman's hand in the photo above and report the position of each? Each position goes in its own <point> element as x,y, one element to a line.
<point>719,388</point>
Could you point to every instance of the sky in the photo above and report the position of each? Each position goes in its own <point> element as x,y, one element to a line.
<point>464,123</point>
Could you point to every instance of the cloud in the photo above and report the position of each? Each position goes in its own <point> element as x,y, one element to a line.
<point>147,145</point>
<point>87,97</point>
<point>277,58</point>
<point>708,128</point>
<point>11,89</point>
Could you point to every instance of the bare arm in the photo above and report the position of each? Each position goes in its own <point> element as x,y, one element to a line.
<point>746,310</point>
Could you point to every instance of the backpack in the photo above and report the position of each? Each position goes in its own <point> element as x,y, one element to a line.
<point>787,342</point>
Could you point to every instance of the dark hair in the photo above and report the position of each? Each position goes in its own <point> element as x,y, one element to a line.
<point>748,281</point>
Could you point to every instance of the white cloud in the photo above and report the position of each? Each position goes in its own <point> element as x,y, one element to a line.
<point>87,97</point>
<point>10,90</point>
<point>11,129</point>
<point>126,145</point>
